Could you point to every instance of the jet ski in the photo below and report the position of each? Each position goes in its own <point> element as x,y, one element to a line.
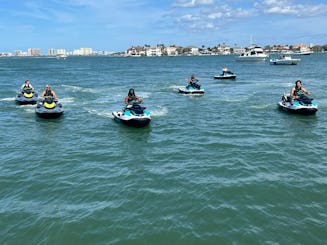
<point>26,96</point>
<point>193,88</point>
<point>303,105</point>
<point>49,108</point>
<point>225,75</point>
<point>133,115</point>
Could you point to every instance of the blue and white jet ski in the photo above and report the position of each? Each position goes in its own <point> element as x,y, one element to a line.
<point>303,105</point>
<point>133,115</point>
<point>193,88</point>
<point>49,108</point>
<point>26,96</point>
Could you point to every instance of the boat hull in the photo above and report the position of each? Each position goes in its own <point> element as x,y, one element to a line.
<point>284,61</point>
<point>251,58</point>
<point>137,121</point>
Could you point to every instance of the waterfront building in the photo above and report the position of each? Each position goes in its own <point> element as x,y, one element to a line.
<point>135,51</point>
<point>193,50</point>
<point>52,52</point>
<point>34,52</point>
<point>171,51</point>
<point>86,51</point>
<point>153,51</point>
<point>238,50</point>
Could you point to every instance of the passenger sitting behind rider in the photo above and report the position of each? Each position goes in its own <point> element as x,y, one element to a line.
<point>131,98</point>
<point>297,90</point>
<point>192,81</point>
<point>49,92</point>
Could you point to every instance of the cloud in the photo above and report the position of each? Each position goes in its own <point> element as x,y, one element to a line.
<point>192,3</point>
<point>287,7</point>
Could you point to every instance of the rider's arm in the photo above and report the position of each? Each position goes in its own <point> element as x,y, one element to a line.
<point>139,100</point>
<point>126,100</point>
<point>292,92</point>
<point>305,91</point>
<point>54,94</point>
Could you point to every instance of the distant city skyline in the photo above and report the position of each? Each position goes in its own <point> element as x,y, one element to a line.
<point>118,25</point>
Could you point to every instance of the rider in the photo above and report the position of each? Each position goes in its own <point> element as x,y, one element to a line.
<point>131,97</point>
<point>27,85</point>
<point>224,70</point>
<point>49,92</point>
<point>298,90</point>
<point>192,81</point>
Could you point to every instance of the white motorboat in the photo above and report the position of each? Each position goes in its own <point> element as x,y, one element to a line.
<point>284,60</point>
<point>303,51</point>
<point>254,53</point>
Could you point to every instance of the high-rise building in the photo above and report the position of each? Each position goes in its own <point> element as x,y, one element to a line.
<point>34,52</point>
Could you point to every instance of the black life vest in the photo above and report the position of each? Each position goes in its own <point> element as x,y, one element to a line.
<point>48,93</point>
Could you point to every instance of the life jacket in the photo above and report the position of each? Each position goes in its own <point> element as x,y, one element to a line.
<point>298,91</point>
<point>27,87</point>
<point>131,98</point>
<point>48,93</point>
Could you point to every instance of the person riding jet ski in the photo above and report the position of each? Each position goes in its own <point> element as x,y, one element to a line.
<point>298,92</point>
<point>192,81</point>
<point>48,92</point>
<point>131,98</point>
<point>27,85</point>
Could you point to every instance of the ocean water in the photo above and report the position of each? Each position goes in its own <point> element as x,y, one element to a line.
<point>227,167</point>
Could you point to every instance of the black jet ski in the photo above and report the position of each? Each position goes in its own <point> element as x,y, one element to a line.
<point>26,96</point>
<point>303,105</point>
<point>193,88</point>
<point>49,108</point>
<point>133,115</point>
<point>225,75</point>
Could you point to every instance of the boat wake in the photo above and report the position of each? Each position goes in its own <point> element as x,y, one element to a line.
<point>107,114</point>
<point>175,87</point>
<point>8,99</point>
<point>161,111</point>
<point>67,100</point>
<point>79,89</point>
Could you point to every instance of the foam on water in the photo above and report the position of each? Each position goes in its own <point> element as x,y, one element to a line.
<point>67,100</point>
<point>159,112</point>
<point>74,88</point>
<point>102,113</point>
<point>8,99</point>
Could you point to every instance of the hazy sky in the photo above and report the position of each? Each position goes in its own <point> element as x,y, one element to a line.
<point>115,25</point>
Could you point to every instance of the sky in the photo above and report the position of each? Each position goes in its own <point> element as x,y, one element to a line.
<point>115,25</point>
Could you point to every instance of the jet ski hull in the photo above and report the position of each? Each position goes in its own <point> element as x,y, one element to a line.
<point>190,90</point>
<point>132,120</point>
<point>305,107</point>
<point>47,113</point>
<point>29,99</point>
<point>225,76</point>
<point>298,109</point>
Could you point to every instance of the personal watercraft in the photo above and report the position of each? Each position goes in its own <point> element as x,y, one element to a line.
<point>303,105</point>
<point>225,75</point>
<point>49,108</point>
<point>133,115</point>
<point>193,88</point>
<point>26,96</point>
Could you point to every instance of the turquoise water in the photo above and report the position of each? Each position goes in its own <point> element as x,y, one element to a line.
<point>227,167</point>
